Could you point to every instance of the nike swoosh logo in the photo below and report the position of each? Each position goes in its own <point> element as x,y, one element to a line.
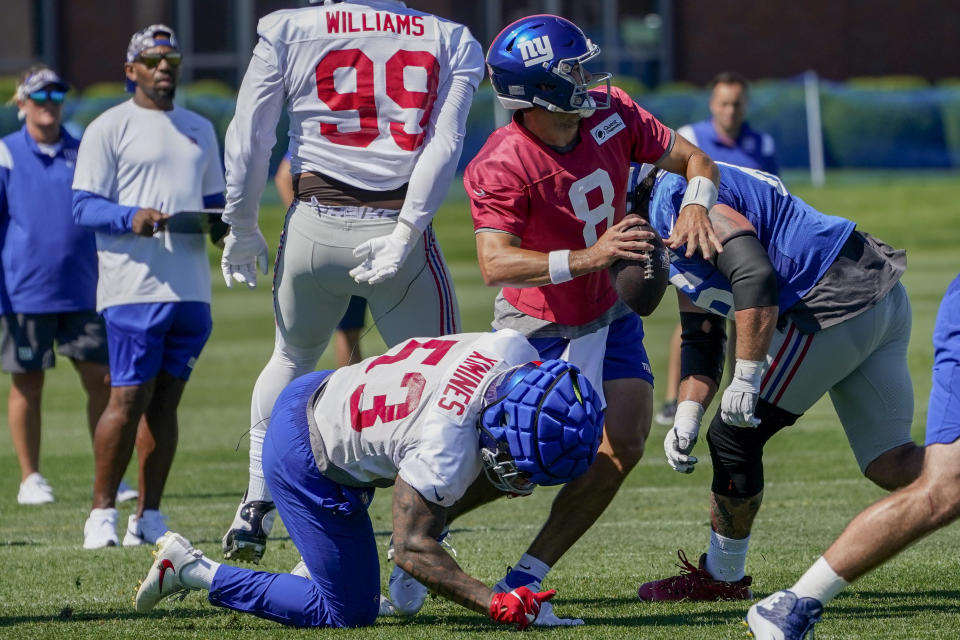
<point>524,567</point>
<point>479,192</point>
<point>439,497</point>
<point>164,565</point>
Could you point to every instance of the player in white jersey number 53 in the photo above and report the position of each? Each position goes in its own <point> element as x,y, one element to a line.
<point>437,418</point>
<point>377,96</point>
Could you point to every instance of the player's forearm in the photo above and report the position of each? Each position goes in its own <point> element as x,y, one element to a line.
<point>437,163</point>
<point>697,388</point>
<point>520,268</point>
<point>425,560</point>
<point>755,329</point>
<point>250,139</point>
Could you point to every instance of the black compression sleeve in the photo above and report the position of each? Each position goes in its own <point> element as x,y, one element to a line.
<point>744,262</point>
<point>703,338</point>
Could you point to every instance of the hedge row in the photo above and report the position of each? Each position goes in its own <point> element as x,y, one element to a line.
<point>864,125</point>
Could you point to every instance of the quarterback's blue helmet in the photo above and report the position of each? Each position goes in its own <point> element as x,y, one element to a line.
<point>539,425</point>
<point>538,60</point>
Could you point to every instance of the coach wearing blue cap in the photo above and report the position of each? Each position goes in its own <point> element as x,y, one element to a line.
<point>139,162</point>
<point>48,273</point>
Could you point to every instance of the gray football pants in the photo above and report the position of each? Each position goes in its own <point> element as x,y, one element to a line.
<point>312,288</point>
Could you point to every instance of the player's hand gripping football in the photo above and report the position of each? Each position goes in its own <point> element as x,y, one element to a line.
<point>624,240</point>
<point>740,398</point>
<point>383,256</point>
<point>680,439</point>
<point>518,607</point>
<point>693,228</point>
<point>243,252</point>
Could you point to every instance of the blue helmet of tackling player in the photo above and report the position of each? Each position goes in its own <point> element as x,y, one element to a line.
<point>539,425</point>
<point>538,60</point>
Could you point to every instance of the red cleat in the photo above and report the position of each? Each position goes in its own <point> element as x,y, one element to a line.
<point>694,583</point>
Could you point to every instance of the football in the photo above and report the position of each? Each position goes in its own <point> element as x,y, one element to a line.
<point>642,283</point>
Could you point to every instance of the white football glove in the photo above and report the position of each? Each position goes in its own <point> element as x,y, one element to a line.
<point>680,439</point>
<point>740,398</point>
<point>382,256</point>
<point>546,617</point>
<point>243,253</point>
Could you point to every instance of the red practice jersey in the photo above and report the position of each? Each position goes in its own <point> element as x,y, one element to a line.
<point>554,201</point>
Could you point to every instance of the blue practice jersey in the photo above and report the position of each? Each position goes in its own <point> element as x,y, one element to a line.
<point>801,242</point>
<point>49,264</point>
<point>752,148</point>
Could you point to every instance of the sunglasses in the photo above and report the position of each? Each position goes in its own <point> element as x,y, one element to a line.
<point>151,60</point>
<point>53,95</point>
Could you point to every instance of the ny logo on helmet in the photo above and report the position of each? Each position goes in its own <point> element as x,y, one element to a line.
<point>535,50</point>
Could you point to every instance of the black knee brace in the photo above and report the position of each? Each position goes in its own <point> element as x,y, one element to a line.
<point>737,452</point>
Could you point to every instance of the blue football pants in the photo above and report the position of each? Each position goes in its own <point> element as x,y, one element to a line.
<point>330,528</point>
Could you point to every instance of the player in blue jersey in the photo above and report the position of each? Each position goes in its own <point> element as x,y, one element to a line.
<point>726,137</point>
<point>819,309</point>
<point>48,274</point>
<point>890,525</point>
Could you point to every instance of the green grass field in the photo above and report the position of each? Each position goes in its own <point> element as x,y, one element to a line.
<point>50,587</point>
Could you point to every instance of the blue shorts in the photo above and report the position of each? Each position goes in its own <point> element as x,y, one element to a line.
<point>353,317</point>
<point>327,522</point>
<point>624,357</point>
<point>145,338</point>
<point>943,412</point>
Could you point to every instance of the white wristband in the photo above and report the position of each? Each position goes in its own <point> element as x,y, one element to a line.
<point>690,410</point>
<point>700,191</point>
<point>559,263</point>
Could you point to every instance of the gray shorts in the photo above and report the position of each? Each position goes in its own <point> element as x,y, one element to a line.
<point>861,363</point>
<point>28,339</point>
<point>312,286</point>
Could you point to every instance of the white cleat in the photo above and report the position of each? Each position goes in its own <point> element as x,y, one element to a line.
<point>126,493</point>
<point>174,552</point>
<point>406,593</point>
<point>35,490</point>
<point>147,529</point>
<point>100,529</point>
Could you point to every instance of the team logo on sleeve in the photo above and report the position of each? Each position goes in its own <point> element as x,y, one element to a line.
<point>608,128</point>
<point>535,50</point>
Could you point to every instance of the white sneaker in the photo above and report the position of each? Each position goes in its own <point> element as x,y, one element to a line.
<point>147,529</point>
<point>100,529</point>
<point>35,490</point>
<point>125,492</point>
<point>407,595</point>
<point>174,552</point>
<point>300,569</point>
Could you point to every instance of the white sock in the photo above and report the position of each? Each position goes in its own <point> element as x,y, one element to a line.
<point>533,566</point>
<point>257,485</point>
<point>286,364</point>
<point>199,574</point>
<point>726,557</point>
<point>820,582</point>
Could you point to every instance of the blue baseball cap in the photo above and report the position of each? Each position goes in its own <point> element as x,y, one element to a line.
<point>40,80</point>
<point>156,35</point>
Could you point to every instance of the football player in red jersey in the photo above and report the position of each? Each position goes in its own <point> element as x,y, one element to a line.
<point>548,197</point>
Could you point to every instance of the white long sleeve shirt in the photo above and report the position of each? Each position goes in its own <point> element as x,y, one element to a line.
<point>377,95</point>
